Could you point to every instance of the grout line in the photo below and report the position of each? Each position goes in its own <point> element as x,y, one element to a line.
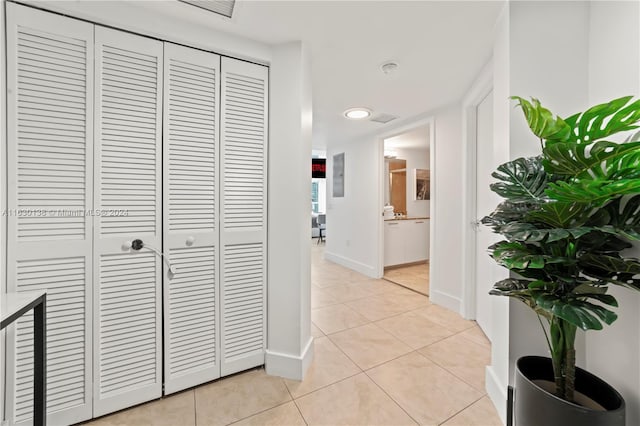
<point>351,376</point>
<point>259,412</point>
<point>195,408</point>
<point>483,391</point>
<point>296,404</point>
<point>406,286</point>
<point>386,393</point>
<point>453,415</point>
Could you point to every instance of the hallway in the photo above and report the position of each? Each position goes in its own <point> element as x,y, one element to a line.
<point>383,356</point>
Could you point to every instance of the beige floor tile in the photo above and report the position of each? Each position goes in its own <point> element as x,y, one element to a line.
<point>375,286</point>
<point>462,357</point>
<point>414,330</point>
<point>175,410</point>
<point>237,397</point>
<point>282,415</point>
<point>376,307</point>
<point>315,331</point>
<point>329,365</point>
<point>354,401</point>
<point>334,318</point>
<point>477,335</point>
<point>481,413</point>
<point>415,277</point>
<point>409,301</point>
<point>347,293</point>
<point>446,318</point>
<point>429,393</point>
<point>328,280</point>
<point>320,298</point>
<point>369,345</point>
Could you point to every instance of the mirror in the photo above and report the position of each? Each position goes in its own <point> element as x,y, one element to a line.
<point>397,187</point>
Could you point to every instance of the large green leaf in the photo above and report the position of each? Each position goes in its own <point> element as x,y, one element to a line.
<point>506,213</point>
<point>582,314</point>
<point>611,269</point>
<point>603,120</point>
<point>622,217</point>
<point>528,232</point>
<point>602,159</point>
<point>610,263</point>
<point>516,255</point>
<point>562,214</point>
<point>521,181</point>
<point>517,289</point>
<point>596,191</point>
<point>542,122</point>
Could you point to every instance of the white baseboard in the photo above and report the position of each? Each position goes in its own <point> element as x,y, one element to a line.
<point>497,392</point>
<point>444,299</point>
<point>351,264</point>
<point>287,365</point>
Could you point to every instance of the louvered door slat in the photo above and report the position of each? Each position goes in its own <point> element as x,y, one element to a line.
<point>49,170</point>
<point>127,366</point>
<point>190,224</point>
<point>243,229</point>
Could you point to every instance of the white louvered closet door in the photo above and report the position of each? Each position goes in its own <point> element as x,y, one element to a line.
<point>50,140</point>
<point>128,194</point>
<point>243,211</point>
<point>191,101</point>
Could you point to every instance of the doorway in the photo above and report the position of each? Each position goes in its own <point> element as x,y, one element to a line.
<point>407,208</point>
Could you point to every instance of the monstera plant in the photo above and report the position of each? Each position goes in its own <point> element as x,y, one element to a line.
<point>567,217</point>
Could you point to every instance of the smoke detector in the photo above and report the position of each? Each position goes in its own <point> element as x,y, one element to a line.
<point>389,67</point>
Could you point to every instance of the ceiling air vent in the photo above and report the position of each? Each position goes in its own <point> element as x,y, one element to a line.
<point>221,7</point>
<point>383,118</point>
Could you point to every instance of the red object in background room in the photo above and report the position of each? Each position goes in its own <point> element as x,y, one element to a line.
<point>319,168</point>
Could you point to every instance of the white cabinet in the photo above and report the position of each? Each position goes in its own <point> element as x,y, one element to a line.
<point>393,243</point>
<point>406,241</point>
<point>416,240</point>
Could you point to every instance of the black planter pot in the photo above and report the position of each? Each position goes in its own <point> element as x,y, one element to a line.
<point>536,407</point>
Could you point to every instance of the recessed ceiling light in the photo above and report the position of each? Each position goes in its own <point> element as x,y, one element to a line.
<point>357,113</point>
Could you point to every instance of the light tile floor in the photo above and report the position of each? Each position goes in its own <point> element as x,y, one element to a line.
<point>383,356</point>
<point>415,277</point>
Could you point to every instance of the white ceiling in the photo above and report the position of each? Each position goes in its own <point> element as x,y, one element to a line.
<point>440,47</point>
<point>413,139</point>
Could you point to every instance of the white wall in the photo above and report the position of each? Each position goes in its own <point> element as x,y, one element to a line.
<point>416,159</point>
<point>614,71</point>
<point>353,220</point>
<point>290,346</point>
<point>446,275</point>
<point>497,374</point>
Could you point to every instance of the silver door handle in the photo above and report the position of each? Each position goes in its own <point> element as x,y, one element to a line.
<point>138,244</point>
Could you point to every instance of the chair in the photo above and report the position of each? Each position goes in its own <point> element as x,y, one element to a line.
<point>322,226</point>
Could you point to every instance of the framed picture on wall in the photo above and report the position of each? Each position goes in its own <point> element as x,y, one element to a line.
<point>338,175</point>
<point>422,184</point>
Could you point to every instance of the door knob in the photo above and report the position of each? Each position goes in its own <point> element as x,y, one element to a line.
<point>190,241</point>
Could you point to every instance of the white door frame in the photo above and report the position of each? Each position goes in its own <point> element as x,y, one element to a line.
<point>480,89</point>
<point>428,121</point>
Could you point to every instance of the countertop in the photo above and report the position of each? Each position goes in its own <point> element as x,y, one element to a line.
<point>406,218</point>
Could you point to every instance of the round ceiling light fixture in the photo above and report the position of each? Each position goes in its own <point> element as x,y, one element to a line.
<point>389,67</point>
<point>358,113</point>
